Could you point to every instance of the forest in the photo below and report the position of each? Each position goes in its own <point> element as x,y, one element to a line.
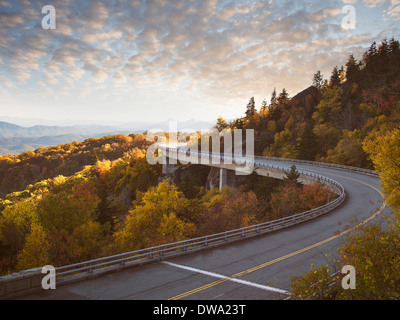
<point>331,120</point>
<point>84,200</point>
<point>350,118</point>
<point>110,200</point>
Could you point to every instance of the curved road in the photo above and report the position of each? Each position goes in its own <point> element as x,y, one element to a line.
<point>256,269</point>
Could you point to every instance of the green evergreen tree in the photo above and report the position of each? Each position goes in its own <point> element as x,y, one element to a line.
<point>307,143</point>
<point>318,80</point>
<point>352,70</point>
<point>292,176</point>
<point>335,77</point>
<point>250,109</point>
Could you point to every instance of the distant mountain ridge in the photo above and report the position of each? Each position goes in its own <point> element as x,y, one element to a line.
<point>16,139</point>
<point>9,130</point>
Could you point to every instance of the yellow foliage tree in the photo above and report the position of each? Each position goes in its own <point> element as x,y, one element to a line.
<point>90,239</point>
<point>158,214</point>
<point>35,251</point>
<point>384,150</point>
<point>16,222</point>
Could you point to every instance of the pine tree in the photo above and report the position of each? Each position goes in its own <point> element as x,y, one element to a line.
<point>273,98</point>
<point>335,77</point>
<point>352,69</point>
<point>318,80</point>
<point>307,143</point>
<point>251,108</point>
<point>292,176</point>
<point>283,96</point>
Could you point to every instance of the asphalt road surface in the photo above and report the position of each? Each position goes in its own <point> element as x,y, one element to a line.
<point>255,269</point>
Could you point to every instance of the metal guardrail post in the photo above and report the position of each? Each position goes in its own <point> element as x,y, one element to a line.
<point>90,270</point>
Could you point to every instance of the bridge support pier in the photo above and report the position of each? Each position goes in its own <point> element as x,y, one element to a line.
<point>168,166</point>
<point>223,178</point>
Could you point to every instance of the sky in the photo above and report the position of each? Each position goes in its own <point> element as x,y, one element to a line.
<point>155,60</point>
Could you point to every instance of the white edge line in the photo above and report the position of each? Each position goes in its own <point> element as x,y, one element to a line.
<point>219,276</point>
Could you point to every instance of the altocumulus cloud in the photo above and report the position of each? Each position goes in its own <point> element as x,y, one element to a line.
<point>215,53</point>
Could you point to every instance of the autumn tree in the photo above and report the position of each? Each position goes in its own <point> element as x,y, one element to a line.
<point>90,238</point>
<point>375,254</point>
<point>314,284</point>
<point>330,106</point>
<point>35,251</point>
<point>284,145</point>
<point>327,137</point>
<point>221,124</point>
<point>294,198</point>
<point>384,151</point>
<point>66,211</point>
<point>349,150</point>
<point>285,202</point>
<point>160,213</point>
<point>264,108</point>
<point>63,248</point>
<point>227,210</point>
<point>16,223</point>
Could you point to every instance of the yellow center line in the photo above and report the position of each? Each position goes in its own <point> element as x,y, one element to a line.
<point>215,283</point>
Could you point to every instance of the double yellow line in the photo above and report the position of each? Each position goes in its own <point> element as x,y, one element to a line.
<point>237,275</point>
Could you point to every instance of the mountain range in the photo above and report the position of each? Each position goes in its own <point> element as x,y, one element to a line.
<point>16,139</point>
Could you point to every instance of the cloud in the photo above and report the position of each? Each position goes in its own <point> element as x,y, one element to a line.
<point>374,3</point>
<point>21,75</point>
<point>394,10</point>
<point>214,50</point>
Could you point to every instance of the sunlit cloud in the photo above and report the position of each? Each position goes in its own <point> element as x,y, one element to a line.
<point>217,52</point>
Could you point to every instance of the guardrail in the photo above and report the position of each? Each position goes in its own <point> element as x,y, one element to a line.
<point>22,282</point>
<point>323,164</point>
<point>201,243</point>
<point>291,161</point>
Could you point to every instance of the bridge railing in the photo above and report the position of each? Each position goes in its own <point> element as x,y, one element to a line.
<point>128,259</point>
<point>291,161</point>
<point>323,164</point>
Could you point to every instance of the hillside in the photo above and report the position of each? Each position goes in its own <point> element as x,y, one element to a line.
<point>331,120</point>
<point>84,200</point>
<point>18,171</point>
